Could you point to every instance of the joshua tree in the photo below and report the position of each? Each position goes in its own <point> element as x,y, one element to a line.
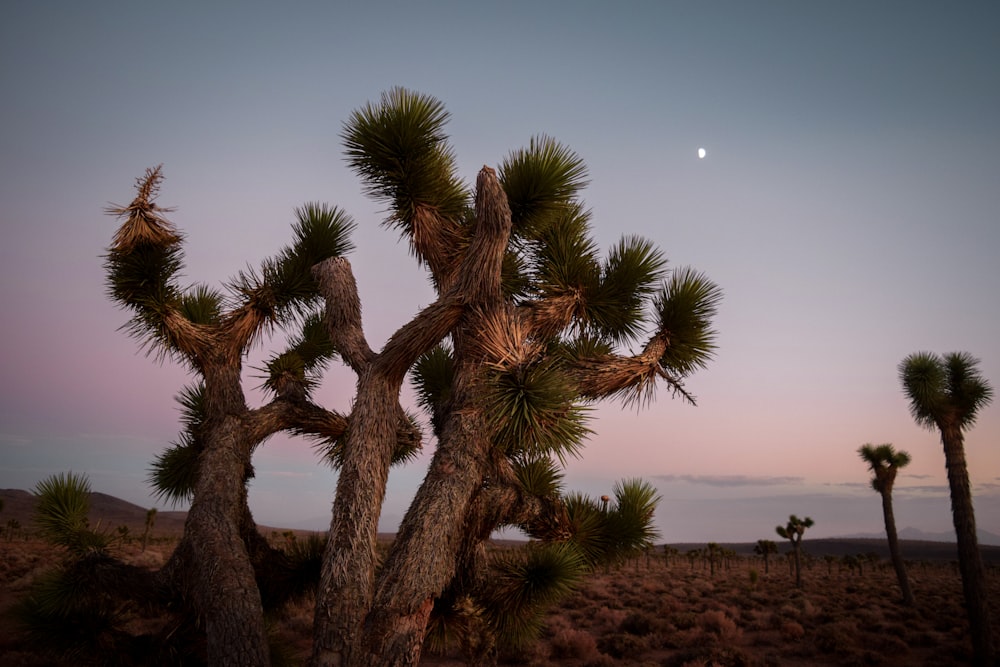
<point>525,332</point>
<point>946,394</point>
<point>211,332</point>
<point>792,531</point>
<point>713,552</point>
<point>765,549</point>
<point>148,526</point>
<point>537,342</point>
<point>884,462</point>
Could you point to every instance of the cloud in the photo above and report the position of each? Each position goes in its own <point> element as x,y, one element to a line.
<point>730,480</point>
<point>867,486</point>
<point>928,489</point>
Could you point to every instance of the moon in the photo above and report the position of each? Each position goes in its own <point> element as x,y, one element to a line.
<point>702,153</point>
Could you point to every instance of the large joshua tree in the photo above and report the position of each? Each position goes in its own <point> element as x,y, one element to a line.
<point>793,532</point>
<point>538,339</point>
<point>946,394</point>
<point>530,325</point>
<point>885,462</point>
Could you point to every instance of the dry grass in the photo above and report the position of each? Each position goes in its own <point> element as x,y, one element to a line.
<point>651,613</point>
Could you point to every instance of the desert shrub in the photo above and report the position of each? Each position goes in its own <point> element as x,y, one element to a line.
<point>570,643</point>
<point>601,660</point>
<point>835,637</point>
<point>684,620</point>
<point>716,622</point>
<point>623,646</point>
<point>638,624</point>
<point>727,656</point>
<point>609,619</point>
<point>792,630</point>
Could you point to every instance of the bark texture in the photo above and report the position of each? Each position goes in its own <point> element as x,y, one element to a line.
<point>969,559</point>
<point>423,560</point>
<point>894,551</point>
<point>348,574</point>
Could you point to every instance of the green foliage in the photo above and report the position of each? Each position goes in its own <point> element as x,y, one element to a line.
<point>432,377</point>
<point>631,519</point>
<point>606,533</point>
<point>685,308</point>
<point>304,359</point>
<point>399,149</point>
<point>174,472</point>
<point>884,462</point>
<point>531,412</point>
<point>61,514</point>
<point>944,388</point>
<point>629,275</point>
<point>540,181</point>
<point>62,615</point>
<point>523,583</point>
<point>539,477</point>
<point>284,287</point>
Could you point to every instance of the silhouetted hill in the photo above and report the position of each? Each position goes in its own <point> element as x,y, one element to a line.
<point>106,511</point>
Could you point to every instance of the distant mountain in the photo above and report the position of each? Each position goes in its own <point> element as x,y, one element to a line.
<point>106,511</point>
<point>986,538</point>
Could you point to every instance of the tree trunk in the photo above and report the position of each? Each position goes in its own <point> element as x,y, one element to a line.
<point>221,581</point>
<point>347,579</point>
<point>423,559</point>
<point>894,552</point>
<point>969,559</point>
<point>424,556</point>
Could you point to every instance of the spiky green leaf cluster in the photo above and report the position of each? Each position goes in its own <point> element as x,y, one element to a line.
<point>884,462</point>
<point>61,514</point>
<point>305,357</point>
<point>400,150</point>
<point>530,410</point>
<point>142,280</point>
<point>284,288</point>
<point>432,376</point>
<point>174,472</point>
<point>685,307</point>
<point>540,181</point>
<point>631,522</point>
<point>524,583</point>
<point>628,277</point>
<point>944,390</point>
<point>539,476</point>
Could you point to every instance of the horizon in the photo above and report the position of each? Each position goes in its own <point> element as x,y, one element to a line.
<point>846,206</point>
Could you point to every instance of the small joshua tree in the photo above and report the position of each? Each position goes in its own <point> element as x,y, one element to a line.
<point>766,549</point>
<point>148,527</point>
<point>793,531</point>
<point>885,462</point>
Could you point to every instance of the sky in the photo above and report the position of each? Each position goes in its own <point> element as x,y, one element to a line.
<point>847,206</point>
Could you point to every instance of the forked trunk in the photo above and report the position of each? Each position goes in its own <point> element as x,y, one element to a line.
<point>894,552</point>
<point>970,561</point>
<point>423,559</point>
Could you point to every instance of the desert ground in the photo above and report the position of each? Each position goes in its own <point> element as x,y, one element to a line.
<point>664,608</point>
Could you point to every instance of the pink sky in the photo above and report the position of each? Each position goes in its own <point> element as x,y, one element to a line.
<point>847,207</point>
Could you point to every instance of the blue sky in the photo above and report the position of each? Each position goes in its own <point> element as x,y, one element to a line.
<point>847,206</point>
